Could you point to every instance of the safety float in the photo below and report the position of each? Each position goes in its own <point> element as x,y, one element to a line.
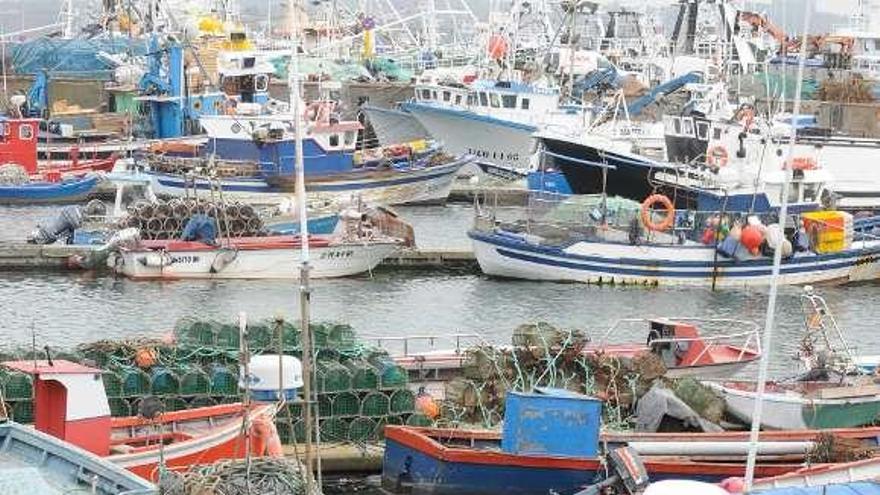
<point>70,404</point>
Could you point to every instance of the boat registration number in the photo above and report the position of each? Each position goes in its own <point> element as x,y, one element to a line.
<point>184,259</point>
<point>498,156</point>
<point>332,255</point>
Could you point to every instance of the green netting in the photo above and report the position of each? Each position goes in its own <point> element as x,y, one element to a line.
<point>224,380</point>
<point>194,381</point>
<point>363,375</point>
<point>299,431</point>
<point>403,401</point>
<point>342,338</point>
<point>362,430</point>
<point>285,430</point>
<point>228,337</point>
<point>112,384</point>
<point>23,411</point>
<point>320,333</point>
<point>163,381</point>
<point>134,381</point>
<point>394,377</point>
<point>291,336</point>
<point>17,385</point>
<point>119,407</point>
<point>229,399</point>
<point>196,332</point>
<point>418,419</point>
<point>375,404</point>
<point>332,377</point>
<point>202,401</point>
<point>293,410</point>
<point>260,335</point>
<point>334,430</point>
<point>346,404</point>
<point>393,419</point>
<point>175,404</point>
<point>325,405</point>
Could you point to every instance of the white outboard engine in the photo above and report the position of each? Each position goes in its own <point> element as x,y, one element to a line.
<point>70,219</point>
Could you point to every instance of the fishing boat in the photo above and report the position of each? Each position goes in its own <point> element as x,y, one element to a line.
<point>34,462</point>
<point>821,476</point>
<point>625,246</point>
<point>272,257</point>
<point>40,192</point>
<point>71,405</point>
<point>549,443</point>
<point>678,343</point>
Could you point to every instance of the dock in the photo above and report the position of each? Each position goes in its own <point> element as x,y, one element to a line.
<point>27,257</point>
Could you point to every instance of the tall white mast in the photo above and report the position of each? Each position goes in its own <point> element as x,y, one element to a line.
<point>767,343</point>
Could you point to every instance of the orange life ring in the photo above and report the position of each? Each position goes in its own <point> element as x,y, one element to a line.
<point>746,117</point>
<point>804,163</point>
<point>717,156</point>
<point>667,221</point>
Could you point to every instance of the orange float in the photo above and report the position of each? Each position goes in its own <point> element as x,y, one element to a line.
<point>717,156</point>
<point>647,207</point>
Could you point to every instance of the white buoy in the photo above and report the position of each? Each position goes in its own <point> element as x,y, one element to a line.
<point>265,380</point>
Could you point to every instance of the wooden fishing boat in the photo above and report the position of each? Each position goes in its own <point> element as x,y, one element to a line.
<point>802,405</point>
<point>70,404</point>
<point>273,257</point>
<point>828,474</point>
<point>36,463</point>
<point>67,191</point>
<point>423,461</point>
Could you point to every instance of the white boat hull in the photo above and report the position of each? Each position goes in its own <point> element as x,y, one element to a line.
<point>332,261</point>
<point>424,186</point>
<point>498,142</point>
<point>394,126</point>
<point>712,372</point>
<point>508,256</point>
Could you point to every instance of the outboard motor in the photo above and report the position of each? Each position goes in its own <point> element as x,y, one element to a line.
<point>627,477</point>
<point>70,219</point>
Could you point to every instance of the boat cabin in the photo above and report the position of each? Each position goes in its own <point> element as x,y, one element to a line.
<point>502,99</point>
<point>70,402</point>
<point>18,143</point>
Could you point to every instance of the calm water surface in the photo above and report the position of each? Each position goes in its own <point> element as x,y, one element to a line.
<point>66,309</point>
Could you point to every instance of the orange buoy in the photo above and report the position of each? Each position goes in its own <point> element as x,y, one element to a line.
<point>717,156</point>
<point>667,220</point>
<point>751,238</point>
<point>426,405</point>
<point>268,441</point>
<point>146,357</point>
<point>497,47</point>
<point>804,163</point>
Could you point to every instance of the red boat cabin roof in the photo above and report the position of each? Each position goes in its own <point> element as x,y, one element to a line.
<point>58,367</point>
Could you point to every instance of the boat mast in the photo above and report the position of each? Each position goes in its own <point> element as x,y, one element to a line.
<point>774,280</point>
<point>295,89</point>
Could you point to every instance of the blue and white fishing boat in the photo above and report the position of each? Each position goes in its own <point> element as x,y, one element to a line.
<point>34,462</point>
<point>628,247</point>
<point>250,158</point>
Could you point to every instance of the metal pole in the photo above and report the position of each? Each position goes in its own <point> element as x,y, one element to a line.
<point>295,88</point>
<point>774,280</point>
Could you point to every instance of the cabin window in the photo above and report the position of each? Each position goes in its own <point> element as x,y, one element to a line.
<point>687,126</point>
<point>447,96</point>
<point>716,134</point>
<point>458,99</point>
<point>703,130</point>
<point>334,140</point>
<point>494,100</point>
<point>471,99</point>
<point>26,132</point>
<point>509,101</point>
<point>426,94</point>
<point>349,138</point>
<point>484,100</point>
<point>434,95</point>
<point>676,126</point>
<point>524,103</point>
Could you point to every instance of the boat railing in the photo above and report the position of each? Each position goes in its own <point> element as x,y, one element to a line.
<point>747,340</point>
<point>409,345</point>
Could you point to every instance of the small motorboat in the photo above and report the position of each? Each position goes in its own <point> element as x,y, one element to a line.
<point>39,192</point>
<point>35,463</point>
<point>71,404</point>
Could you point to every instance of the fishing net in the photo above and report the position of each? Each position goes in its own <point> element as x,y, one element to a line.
<point>119,407</point>
<point>239,477</point>
<point>17,386</point>
<point>223,380</point>
<point>228,336</point>
<point>402,401</point>
<point>135,382</point>
<point>194,381</point>
<point>112,384</point>
<point>342,338</point>
<point>332,377</point>
<point>196,332</point>
<point>375,404</point>
<point>363,375</point>
<point>362,430</point>
<point>202,401</point>
<point>174,404</point>
<point>346,404</point>
<point>699,398</point>
<point>333,429</point>
<point>325,405</point>
<point>22,411</point>
<point>418,419</point>
<point>163,381</point>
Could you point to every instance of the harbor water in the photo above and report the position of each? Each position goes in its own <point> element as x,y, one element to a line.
<point>65,309</point>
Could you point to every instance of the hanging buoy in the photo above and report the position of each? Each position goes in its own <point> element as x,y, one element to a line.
<point>647,207</point>
<point>497,47</point>
<point>717,156</point>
